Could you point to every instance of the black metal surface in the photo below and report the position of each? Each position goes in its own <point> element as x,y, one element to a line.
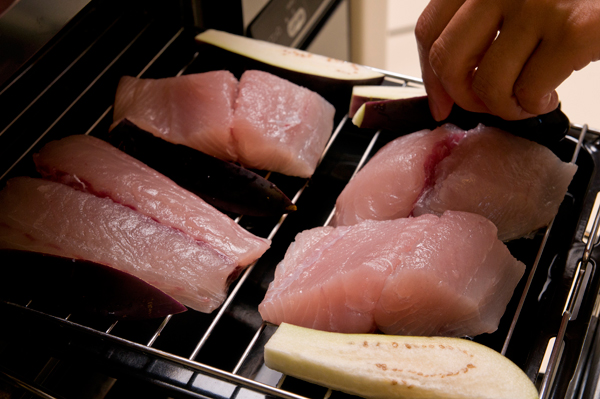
<point>70,90</point>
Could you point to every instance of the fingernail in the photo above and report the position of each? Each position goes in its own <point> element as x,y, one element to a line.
<point>545,101</point>
<point>435,110</point>
<point>438,113</point>
<point>549,102</point>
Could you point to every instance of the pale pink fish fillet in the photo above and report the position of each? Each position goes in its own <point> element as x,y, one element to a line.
<point>388,186</point>
<point>195,110</point>
<point>456,282</point>
<point>43,216</point>
<point>360,278</point>
<point>331,278</point>
<point>280,126</point>
<point>516,183</point>
<point>93,165</point>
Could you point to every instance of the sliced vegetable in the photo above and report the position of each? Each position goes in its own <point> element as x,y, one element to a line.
<point>223,184</point>
<point>79,285</point>
<point>411,113</point>
<point>385,366</point>
<point>363,94</point>
<point>331,78</point>
<point>404,115</point>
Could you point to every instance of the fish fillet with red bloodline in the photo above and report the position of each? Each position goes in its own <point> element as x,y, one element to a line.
<point>93,165</point>
<point>516,183</point>
<point>49,217</point>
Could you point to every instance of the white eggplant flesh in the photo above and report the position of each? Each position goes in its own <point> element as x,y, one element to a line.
<point>365,93</point>
<point>331,78</point>
<point>386,366</point>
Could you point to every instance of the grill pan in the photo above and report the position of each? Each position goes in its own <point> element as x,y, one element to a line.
<point>548,329</point>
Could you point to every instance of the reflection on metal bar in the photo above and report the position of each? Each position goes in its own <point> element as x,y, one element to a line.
<point>400,76</point>
<point>580,140</point>
<point>249,269</point>
<point>187,363</point>
<point>524,295</point>
<point>30,387</point>
<point>113,325</point>
<point>585,353</point>
<point>160,52</point>
<point>585,269</point>
<point>362,161</point>
<point>58,77</point>
<point>159,330</point>
<point>249,348</point>
<point>148,65</point>
<point>594,215</point>
<point>76,100</point>
<point>538,257</point>
<point>554,357</point>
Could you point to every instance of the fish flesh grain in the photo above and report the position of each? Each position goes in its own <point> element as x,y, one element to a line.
<point>389,185</point>
<point>516,183</point>
<point>195,110</point>
<point>49,217</point>
<point>425,275</point>
<point>262,122</point>
<point>280,126</point>
<point>95,166</point>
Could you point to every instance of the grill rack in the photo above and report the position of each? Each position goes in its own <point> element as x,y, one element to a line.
<point>149,352</point>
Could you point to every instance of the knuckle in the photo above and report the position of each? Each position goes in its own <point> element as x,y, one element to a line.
<point>534,102</point>
<point>439,60</point>
<point>486,90</point>
<point>424,32</point>
<point>497,100</point>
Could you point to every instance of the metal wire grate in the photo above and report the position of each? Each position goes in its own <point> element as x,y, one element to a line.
<point>220,354</point>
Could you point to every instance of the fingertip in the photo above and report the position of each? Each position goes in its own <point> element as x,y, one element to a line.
<point>536,105</point>
<point>440,110</point>
<point>547,103</point>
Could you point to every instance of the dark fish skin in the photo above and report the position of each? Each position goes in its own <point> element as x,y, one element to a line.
<point>81,286</point>
<point>224,185</point>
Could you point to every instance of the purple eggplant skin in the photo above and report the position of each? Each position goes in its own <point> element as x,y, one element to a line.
<point>402,116</point>
<point>76,285</point>
<point>407,115</point>
<point>225,185</point>
<point>364,94</point>
<point>357,101</point>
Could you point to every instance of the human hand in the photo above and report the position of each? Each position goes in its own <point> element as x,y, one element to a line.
<point>504,57</point>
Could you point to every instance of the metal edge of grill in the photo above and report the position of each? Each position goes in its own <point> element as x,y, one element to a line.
<point>562,284</point>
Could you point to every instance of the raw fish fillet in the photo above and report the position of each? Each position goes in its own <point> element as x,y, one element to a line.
<point>194,110</point>
<point>457,281</point>
<point>426,275</point>
<point>280,126</point>
<point>93,165</point>
<point>388,186</point>
<point>44,216</point>
<point>516,183</point>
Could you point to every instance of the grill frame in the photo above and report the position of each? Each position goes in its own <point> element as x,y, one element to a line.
<point>164,38</point>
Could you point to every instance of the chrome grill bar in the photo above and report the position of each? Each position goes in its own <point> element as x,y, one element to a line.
<point>234,376</point>
<point>74,102</point>
<point>585,269</point>
<point>247,272</point>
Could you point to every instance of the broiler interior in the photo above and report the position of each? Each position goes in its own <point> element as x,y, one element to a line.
<point>70,90</point>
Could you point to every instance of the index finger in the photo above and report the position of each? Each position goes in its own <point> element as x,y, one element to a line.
<point>457,53</point>
<point>431,23</point>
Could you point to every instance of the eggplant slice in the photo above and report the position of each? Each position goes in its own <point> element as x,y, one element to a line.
<point>224,185</point>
